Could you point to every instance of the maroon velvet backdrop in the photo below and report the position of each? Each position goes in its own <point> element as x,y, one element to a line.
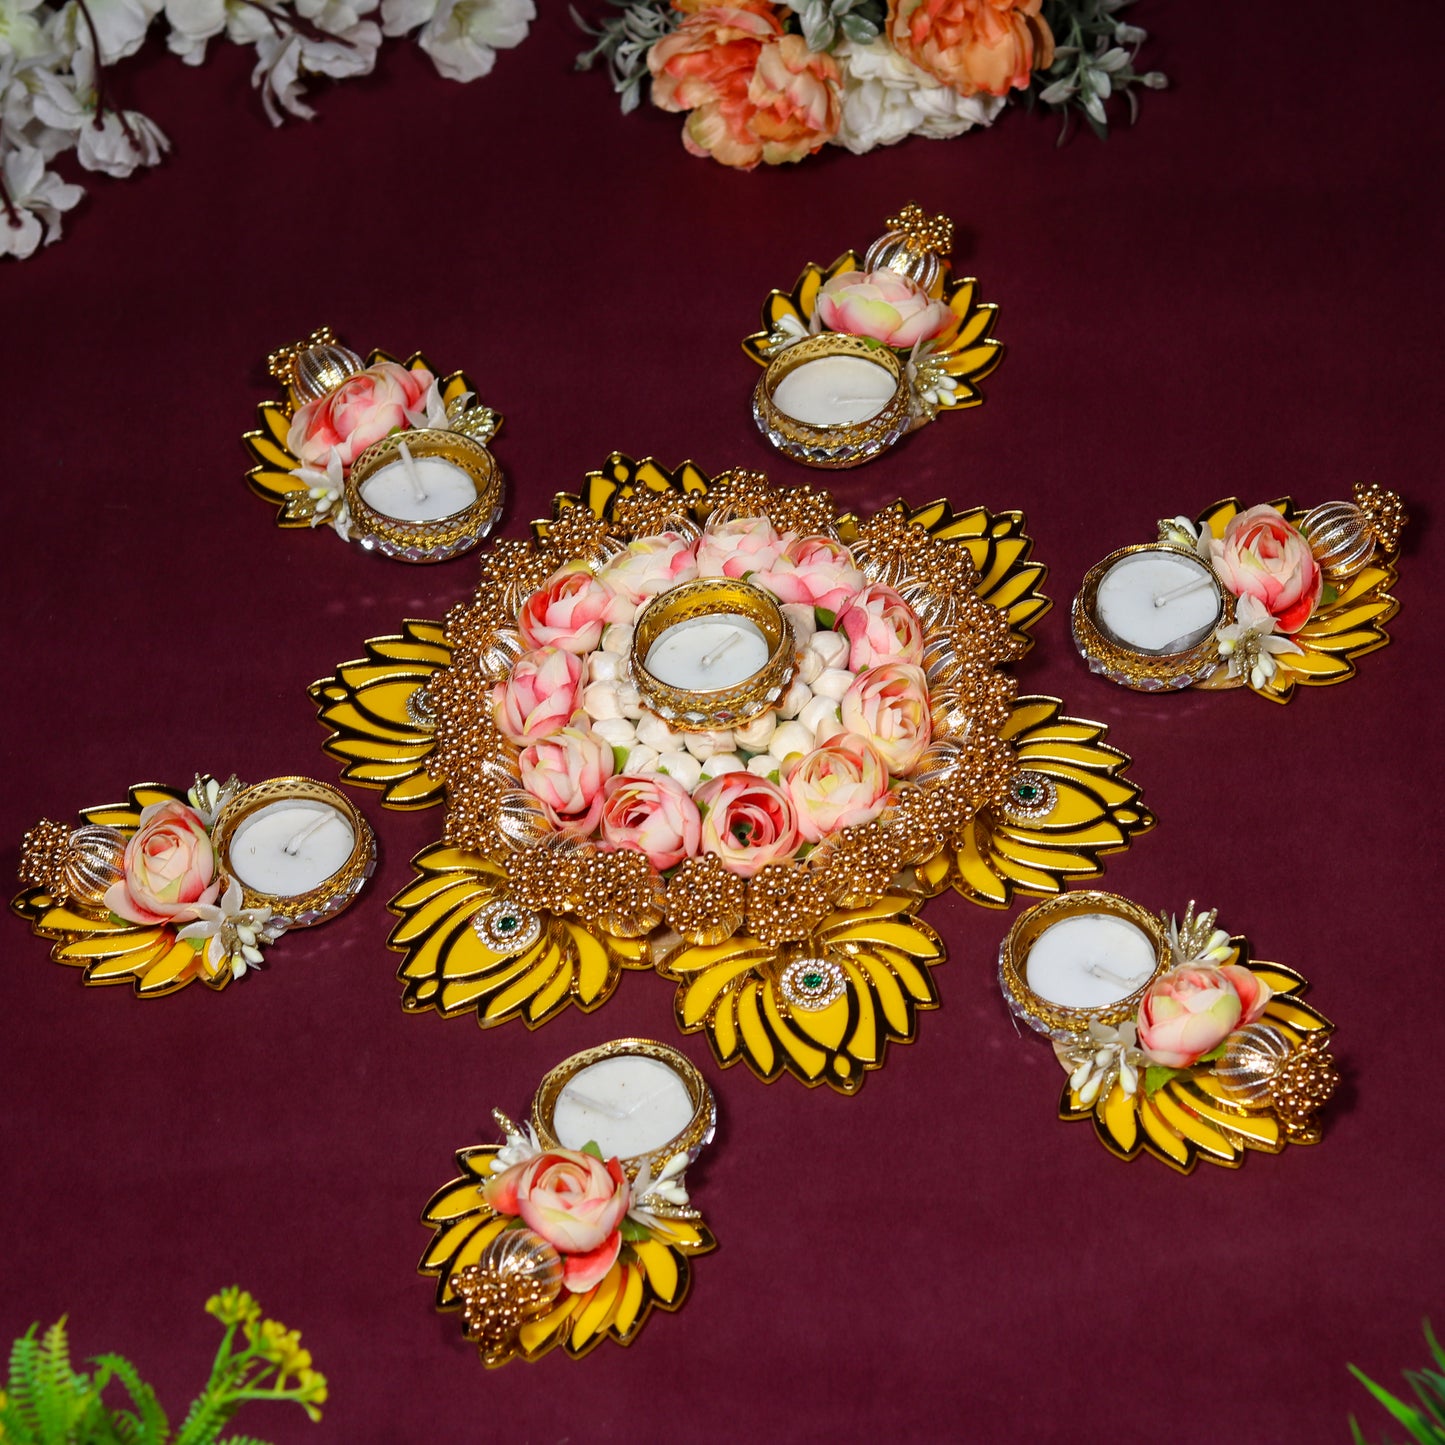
<point>1236,297</point>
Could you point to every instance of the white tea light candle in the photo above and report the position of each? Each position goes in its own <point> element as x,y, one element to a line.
<point>1158,601</point>
<point>835,391</point>
<point>628,1106</point>
<point>1089,960</point>
<point>290,847</point>
<point>419,489</point>
<point>706,653</point>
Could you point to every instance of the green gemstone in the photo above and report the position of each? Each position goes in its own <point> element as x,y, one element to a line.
<point>506,924</point>
<point>813,980</point>
<point>1027,792</point>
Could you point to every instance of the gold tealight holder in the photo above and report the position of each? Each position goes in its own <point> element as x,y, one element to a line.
<point>306,863</point>
<point>424,538</point>
<point>732,704</point>
<point>833,445</point>
<point>631,1081</point>
<point>1137,666</point>
<point>1062,1019</point>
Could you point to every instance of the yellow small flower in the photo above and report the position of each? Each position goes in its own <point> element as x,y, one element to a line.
<point>312,1387</point>
<point>233,1306</point>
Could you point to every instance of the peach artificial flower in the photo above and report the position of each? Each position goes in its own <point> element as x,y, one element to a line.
<point>742,545</point>
<point>842,783</point>
<point>751,92</point>
<point>575,1201</point>
<point>880,627</point>
<point>747,822</point>
<point>816,571</point>
<point>653,815</point>
<point>1261,555</point>
<point>169,865</point>
<point>973,45</point>
<point>888,705</point>
<point>565,773</point>
<point>650,565</point>
<point>569,610</point>
<point>539,695</point>
<point>885,306</point>
<point>1191,1010</point>
<point>363,409</point>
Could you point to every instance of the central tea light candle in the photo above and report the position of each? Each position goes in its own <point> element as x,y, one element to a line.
<point>628,1106</point>
<point>419,489</point>
<point>290,847</point>
<point>1089,961</point>
<point>706,653</point>
<point>1158,601</point>
<point>835,390</point>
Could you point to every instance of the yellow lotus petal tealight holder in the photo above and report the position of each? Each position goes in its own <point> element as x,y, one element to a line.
<point>254,863</point>
<point>804,961</point>
<point>1110,984</point>
<point>1180,612</point>
<point>387,454</point>
<point>620,1123</point>
<point>903,343</point>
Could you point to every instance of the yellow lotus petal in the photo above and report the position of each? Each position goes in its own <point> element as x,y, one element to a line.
<point>595,1308</point>
<point>661,1266</point>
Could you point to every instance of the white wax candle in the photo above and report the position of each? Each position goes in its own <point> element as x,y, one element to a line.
<point>432,489</point>
<point>289,847</point>
<point>628,1105</point>
<point>706,653</point>
<point>1089,960</point>
<point>1158,601</point>
<point>835,389</point>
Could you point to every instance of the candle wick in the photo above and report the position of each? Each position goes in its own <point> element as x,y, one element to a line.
<point>708,658</point>
<point>1097,970</point>
<point>1160,598</point>
<point>412,475</point>
<point>315,825</point>
<point>850,400</point>
<point>578,1097</point>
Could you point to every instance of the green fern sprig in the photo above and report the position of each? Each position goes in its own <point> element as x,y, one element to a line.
<point>1427,1425</point>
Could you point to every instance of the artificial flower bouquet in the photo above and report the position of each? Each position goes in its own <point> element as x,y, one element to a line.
<point>768,83</point>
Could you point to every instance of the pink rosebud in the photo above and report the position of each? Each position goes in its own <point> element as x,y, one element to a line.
<point>650,565</point>
<point>747,822</point>
<point>654,815</point>
<point>569,610</point>
<point>732,549</point>
<point>813,570</point>
<point>565,773</point>
<point>539,696</point>
<point>884,305</point>
<point>1191,1010</point>
<point>888,706</point>
<point>880,627</point>
<point>363,409</point>
<point>1261,555</point>
<point>169,867</point>
<point>838,785</point>
<point>575,1202</point>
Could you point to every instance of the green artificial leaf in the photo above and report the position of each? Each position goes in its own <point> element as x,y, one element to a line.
<point>1328,595</point>
<point>590,1147</point>
<point>154,1428</point>
<point>632,1232</point>
<point>619,758</point>
<point>1156,1076</point>
<point>1214,1053</point>
<point>825,619</point>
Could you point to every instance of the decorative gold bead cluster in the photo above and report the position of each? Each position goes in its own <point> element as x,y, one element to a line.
<point>1385,510</point>
<point>922,231</point>
<point>1303,1086</point>
<point>620,891</point>
<point>281,363</point>
<point>645,513</point>
<point>705,903</point>
<point>495,1306</point>
<point>786,901</point>
<point>575,535</point>
<point>44,854</point>
<point>856,865</point>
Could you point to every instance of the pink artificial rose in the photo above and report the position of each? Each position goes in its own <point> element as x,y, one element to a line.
<point>813,570</point>
<point>973,45</point>
<point>888,705</point>
<point>539,696</point>
<point>569,610</point>
<point>747,822</point>
<point>1191,1010</point>
<point>884,305</point>
<point>169,868</point>
<point>745,544</point>
<point>565,773</point>
<point>842,783</point>
<point>363,409</point>
<point>650,565</point>
<point>575,1202</point>
<point>880,627</point>
<point>1261,555</point>
<point>655,816</point>
<point>753,94</point>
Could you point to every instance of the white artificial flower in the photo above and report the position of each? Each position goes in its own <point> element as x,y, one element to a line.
<point>641,761</point>
<point>193,23</point>
<point>1250,643</point>
<point>34,198</point>
<point>432,412</point>
<point>327,491</point>
<point>233,934</point>
<point>604,667</point>
<point>765,765</point>
<point>521,1144</point>
<point>756,735</point>
<point>618,732</point>
<point>886,98</point>
<point>721,763</point>
<point>22,36</point>
<point>336,42</point>
<point>681,767</point>
<point>617,638</point>
<point>802,621</point>
<point>791,739</point>
<point>821,718</point>
<point>122,141</point>
<point>1094,1062</point>
<point>831,684</point>
<point>208,796</point>
<point>461,36</point>
<point>120,27</point>
<point>599,701</point>
<point>831,649</point>
<point>1179,532</point>
<point>705,745</point>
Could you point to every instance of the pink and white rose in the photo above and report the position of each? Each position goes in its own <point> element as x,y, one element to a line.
<point>888,706</point>
<point>170,868</point>
<point>569,610</point>
<point>363,409</point>
<point>1261,555</point>
<point>1191,1010</point>
<point>880,627</point>
<point>747,822</point>
<point>650,565</point>
<point>565,773</point>
<point>842,783</point>
<point>884,305</point>
<point>539,697</point>
<point>745,544</point>
<point>813,570</point>
<point>653,815</point>
<point>575,1201</point>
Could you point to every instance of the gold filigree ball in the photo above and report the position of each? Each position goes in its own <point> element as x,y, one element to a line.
<point>516,1278</point>
<point>79,863</point>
